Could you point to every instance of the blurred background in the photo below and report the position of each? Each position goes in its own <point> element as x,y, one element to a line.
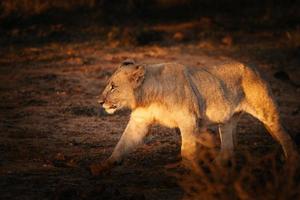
<point>56,57</point>
<point>146,21</point>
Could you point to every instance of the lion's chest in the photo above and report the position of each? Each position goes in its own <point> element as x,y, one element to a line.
<point>163,116</point>
<point>158,114</point>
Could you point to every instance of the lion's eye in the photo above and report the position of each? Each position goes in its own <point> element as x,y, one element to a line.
<point>113,86</point>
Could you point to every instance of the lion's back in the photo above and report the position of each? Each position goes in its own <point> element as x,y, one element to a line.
<point>219,89</point>
<point>213,91</point>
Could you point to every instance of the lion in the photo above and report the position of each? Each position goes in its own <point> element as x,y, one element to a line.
<point>191,99</point>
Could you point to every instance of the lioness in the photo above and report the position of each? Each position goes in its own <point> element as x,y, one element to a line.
<point>190,98</point>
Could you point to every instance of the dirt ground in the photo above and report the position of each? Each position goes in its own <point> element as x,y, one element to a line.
<point>52,128</point>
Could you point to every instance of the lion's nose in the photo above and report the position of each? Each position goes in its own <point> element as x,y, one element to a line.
<point>101,101</point>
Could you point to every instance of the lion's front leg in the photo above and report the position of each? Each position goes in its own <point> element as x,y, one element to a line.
<point>132,136</point>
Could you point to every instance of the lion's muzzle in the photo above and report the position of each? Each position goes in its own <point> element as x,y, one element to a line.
<point>101,101</point>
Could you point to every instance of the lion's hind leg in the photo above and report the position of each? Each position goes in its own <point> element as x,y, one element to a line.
<point>228,137</point>
<point>271,121</point>
<point>260,103</point>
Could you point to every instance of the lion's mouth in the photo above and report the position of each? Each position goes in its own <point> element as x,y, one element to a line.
<point>113,107</point>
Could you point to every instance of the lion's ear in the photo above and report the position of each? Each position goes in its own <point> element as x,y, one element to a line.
<point>137,75</point>
<point>127,62</point>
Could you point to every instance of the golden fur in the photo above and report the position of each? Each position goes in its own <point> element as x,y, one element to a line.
<point>190,98</point>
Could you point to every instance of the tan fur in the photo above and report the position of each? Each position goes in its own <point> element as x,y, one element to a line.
<point>190,98</point>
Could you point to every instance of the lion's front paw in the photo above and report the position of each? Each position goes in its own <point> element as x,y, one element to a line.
<point>99,168</point>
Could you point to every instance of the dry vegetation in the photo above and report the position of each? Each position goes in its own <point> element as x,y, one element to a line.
<point>245,178</point>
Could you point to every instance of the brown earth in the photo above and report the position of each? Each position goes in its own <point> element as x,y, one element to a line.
<point>52,127</point>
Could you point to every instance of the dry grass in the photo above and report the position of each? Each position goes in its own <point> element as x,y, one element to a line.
<point>246,178</point>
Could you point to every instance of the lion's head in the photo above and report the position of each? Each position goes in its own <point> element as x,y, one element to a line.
<point>119,91</point>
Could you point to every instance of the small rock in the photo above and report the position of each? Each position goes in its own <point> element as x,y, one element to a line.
<point>178,36</point>
<point>60,156</point>
<point>75,61</point>
<point>227,40</point>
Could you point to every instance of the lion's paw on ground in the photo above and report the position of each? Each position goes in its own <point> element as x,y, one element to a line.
<point>98,169</point>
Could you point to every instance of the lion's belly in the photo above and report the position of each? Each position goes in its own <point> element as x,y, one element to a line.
<point>221,112</point>
<point>217,114</point>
